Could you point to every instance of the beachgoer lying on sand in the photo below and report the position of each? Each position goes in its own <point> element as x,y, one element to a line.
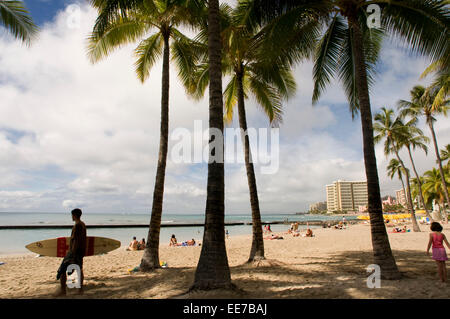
<point>273,236</point>
<point>400,230</point>
<point>141,245</point>
<point>338,226</point>
<point>191,242</point>
<point>133,245</point>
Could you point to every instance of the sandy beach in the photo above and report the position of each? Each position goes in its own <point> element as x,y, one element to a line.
<point>330,265</point>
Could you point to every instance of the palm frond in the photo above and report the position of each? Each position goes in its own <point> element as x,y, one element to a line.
<point>421,24</point>
<point>15,17</point>
<point>119,32</point>
<point>326,62</point>
<point>148,51</point>
<point>230,99</point>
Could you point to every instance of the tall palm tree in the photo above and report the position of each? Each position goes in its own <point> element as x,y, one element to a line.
<point>394,131</point>
<point>213,271</point>
<point>433,189</point>
<point>269,81</point>
<point>15,17</point>
<point>414,138</point>
<point>157,22</point>
<point>394,168</point>
<point>349,49</point>
<point>422,104</point>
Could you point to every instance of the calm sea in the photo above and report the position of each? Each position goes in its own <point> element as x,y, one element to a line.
<point>14,241</point>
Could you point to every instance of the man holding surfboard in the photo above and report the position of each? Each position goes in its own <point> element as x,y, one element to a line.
<point>77,250</point>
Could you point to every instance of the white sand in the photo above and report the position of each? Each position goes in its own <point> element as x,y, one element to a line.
<point>330,265</point>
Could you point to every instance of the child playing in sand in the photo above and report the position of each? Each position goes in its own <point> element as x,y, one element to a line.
<point>439,255</point>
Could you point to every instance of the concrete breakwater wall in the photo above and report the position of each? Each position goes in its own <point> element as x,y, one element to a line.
<point>311,223</point>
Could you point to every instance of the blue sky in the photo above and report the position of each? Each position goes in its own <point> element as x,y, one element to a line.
<point>77,134</point>
<point>45,10</point>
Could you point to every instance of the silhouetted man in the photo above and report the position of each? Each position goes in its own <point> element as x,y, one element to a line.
<point>77,250</point>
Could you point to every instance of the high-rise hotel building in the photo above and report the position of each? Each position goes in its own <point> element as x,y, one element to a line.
<point>346,196</point>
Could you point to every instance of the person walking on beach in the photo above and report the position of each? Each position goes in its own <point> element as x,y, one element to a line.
<point>77,250</point>
<point>437,238</point>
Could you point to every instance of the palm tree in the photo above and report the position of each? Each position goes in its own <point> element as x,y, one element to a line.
<point>445,153</point>
<point>394,168</point>
<point>156,21</point>
<point>441,81</point>
<point>251,72</point>
<point>433,189</point>
<point>213,271</point>
<point>414,138</point>
<point>422,104</point>
<point>350,49</point>
<point>393,131</point>
<point>15,17</point>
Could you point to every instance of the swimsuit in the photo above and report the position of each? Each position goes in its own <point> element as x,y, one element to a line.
<point>439,253</point>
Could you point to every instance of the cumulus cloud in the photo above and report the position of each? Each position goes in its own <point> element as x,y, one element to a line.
<point>76,134</point>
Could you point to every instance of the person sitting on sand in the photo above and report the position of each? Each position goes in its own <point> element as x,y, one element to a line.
<point>173,241</point>
<point>133,245</point>
<point>309,232</point>
<point>141,245</point>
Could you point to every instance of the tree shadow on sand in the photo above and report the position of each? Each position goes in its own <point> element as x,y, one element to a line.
<point>338,276</point>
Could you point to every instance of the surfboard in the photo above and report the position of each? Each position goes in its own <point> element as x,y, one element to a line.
<point>58,247</point>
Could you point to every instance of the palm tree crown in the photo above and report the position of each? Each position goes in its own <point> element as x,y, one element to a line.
<point>15,17</point>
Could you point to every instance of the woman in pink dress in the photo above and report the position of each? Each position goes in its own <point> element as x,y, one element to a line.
<point>437,239</point>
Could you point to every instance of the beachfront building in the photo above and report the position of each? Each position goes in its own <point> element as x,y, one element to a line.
<point>389,201</point>
<point>320,206</point>
<point>346,196</point>
<point>401,197</point>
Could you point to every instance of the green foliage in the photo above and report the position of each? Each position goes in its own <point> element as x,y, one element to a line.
<point>152,22</point>
<point>15,17</point>
<point>397,208</point>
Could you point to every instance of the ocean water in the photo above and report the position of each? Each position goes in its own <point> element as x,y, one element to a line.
<point>13,241</point>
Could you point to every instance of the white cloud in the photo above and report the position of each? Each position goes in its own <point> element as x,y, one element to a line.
<point>92,131</point>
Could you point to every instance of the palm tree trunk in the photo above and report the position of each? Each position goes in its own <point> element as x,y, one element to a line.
<point>257,250</point>
<point>420,185</point>
<point>441,170</point>
<point>416,227</point>
<point>213,271</point>
<point>380,241</point>
<point>150,259</point>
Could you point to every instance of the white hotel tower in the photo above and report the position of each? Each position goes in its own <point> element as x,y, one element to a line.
<point>346,196</point>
